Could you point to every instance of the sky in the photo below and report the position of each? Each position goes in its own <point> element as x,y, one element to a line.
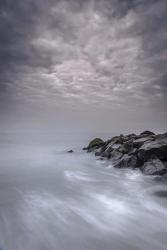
<point>92,64</point>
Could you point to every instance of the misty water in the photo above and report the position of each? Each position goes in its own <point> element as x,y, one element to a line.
<point>52,200</point>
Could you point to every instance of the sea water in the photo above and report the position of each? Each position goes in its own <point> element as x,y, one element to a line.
<point>53,200</point>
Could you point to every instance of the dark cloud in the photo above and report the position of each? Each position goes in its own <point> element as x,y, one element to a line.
<point>84,52</point>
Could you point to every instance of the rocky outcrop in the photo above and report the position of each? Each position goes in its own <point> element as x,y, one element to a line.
<point>146,151</point>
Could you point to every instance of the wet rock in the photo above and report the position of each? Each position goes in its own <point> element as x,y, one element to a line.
<point>139,142</point>
<point>147,132</point>
<point>116,155</point>
<point>100,159</point>
<point>70,151</point>
<point>153,166</point>
<point>126,147</point>
<point>127,162</point>
<point>157,147</point>
<point>146,151</point>
<point>106,154</point>
<point>94,144</point>
<point>133,151</point>
<point>131,135</point>
<point>97,153</point>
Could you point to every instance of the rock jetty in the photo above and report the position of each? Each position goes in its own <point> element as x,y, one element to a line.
<point>146,151</point>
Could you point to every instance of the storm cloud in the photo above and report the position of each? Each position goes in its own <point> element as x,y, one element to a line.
<point>84,55</point>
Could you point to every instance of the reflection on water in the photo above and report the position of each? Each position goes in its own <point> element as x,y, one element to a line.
<point>51,200</point>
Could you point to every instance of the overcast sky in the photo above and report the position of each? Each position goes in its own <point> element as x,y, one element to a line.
<point>99,63</point>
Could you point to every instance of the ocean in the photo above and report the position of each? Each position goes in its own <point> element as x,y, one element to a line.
<point>53,200</point>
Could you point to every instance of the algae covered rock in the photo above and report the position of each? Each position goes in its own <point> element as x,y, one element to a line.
<point>96,142</point>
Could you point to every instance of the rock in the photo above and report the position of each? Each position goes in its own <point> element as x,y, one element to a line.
<point>139,142</point>
<point>126,147</point>
<point>133,151</point>
<point>106,154</point>
<point>153,166</point>
<point>146,151</point>
<point>131,136</point>
<point>116,155</point>
<point>121,139</point>
<point>94,144</point>
<point>100,159</point>
<point>70,151</point>
<point>147,133</point>
<point>106,149</point>
<point>127,162</point>
<point>105,146</point>
<point>157,147</point>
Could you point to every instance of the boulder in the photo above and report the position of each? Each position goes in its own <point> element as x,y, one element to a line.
<point>126,147</point>
<point>127,162</point>
<point>153,166</point>
<point>146,151</point>
<point>139,142</point>
<point>131,136</point>
<point>94,144</point>
<point>157,147</point>
<point>147,132</point>
<point>116,155</point>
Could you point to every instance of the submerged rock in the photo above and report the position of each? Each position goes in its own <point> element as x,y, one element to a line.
<point>127,162</point>
<point>153,166</point>
<point>70,151</point>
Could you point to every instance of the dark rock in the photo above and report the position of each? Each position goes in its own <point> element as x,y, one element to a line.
<point>97,153</point>
<point>146,151</point>
<point>126,147</point>
<point>157,147</point>
<point>105,146</point>
<point>127,162</point>
<point>100,159</point>
<point>153,166</point>
<point>139,142</point>
<point>131,136</point>
<point>116,155</point>
<point>147,132</point>
<point>133,151</point>
<point>70,151</point>
<point>94,144</point>
<point>106,154</point>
